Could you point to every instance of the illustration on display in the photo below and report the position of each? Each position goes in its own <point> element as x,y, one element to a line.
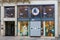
<point>24,28</point>
<point>49,28</point>
<point>9,11</point>
<point>48,11</point>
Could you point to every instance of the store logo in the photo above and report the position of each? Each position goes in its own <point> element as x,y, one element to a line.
<point>35,11</point>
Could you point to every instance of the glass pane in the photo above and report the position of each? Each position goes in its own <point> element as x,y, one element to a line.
<point>48,11</point>
<point>9,11</point>
<point>23,12</point>
<point>23,28</point>
<point>49,28</point>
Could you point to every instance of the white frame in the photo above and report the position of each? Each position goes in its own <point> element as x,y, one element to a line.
<point>56,12</point>
<point>8,19</point>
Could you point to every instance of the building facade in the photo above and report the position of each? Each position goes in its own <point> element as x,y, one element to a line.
<point>34,19</point>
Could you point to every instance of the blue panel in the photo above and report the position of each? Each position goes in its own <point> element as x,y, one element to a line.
<point>23,19</point>
<point>35,28</point>
<point>46,19</point>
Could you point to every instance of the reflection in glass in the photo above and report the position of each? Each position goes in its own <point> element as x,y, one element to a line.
<point>23,28</point>
<point>23,12</point>
<point>48,11</point>
<point>9,11</point>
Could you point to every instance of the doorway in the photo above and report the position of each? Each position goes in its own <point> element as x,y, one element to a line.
<point>9,28</point>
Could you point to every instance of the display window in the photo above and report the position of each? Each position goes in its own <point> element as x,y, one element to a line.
<point>9,11</point>
<point>49,28</point>
<point>48,11</point>
<point>23,25</point>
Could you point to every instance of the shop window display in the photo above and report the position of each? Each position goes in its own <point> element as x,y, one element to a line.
<point>37,15</point>
<point>9,11</point>
<point>23,28</point>
<point>49,28</point>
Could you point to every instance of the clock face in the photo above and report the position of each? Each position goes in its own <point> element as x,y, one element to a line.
<point>35,11</point>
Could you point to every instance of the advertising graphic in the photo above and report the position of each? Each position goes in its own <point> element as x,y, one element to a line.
<point>23,12</point>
